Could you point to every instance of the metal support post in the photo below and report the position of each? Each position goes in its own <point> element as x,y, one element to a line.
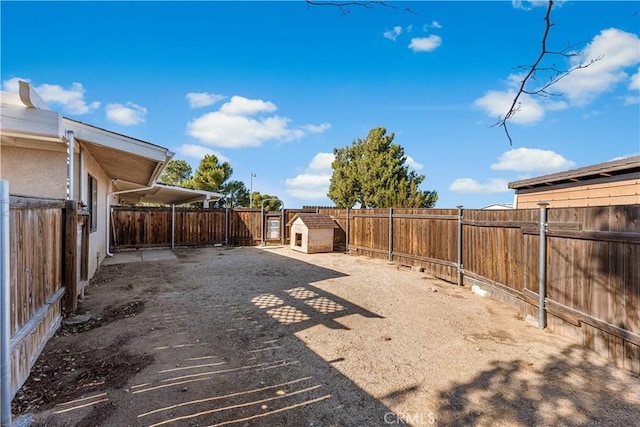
<point>542,279</point>
<point>5,308</point>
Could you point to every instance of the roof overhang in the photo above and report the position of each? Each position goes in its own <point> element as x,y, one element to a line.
<point>27,122</point>
<point>163,194</point>
<point>617,169</point>
<point>123,158</point>
<point>27,127</point>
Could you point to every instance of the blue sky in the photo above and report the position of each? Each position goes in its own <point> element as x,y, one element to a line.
<point>273,87</point>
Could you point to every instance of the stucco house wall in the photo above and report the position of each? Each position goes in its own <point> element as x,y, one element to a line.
<point>35,173</point>
<point>97,238</point>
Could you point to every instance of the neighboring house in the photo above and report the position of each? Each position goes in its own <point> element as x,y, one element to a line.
<point>610,183</point>
<point>104,168</point>
<point>312,232</point>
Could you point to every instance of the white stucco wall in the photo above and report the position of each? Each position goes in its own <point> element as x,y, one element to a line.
<point>98,238</point>
<point>35,173</point>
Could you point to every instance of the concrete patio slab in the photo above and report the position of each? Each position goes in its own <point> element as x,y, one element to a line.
<point>140,256</point>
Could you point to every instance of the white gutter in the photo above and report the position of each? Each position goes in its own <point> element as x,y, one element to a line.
<point>5,309</point>
<point>108,204</point>
<point>70,166</point>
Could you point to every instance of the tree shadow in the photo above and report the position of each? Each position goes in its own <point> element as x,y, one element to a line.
<point>520,393</point>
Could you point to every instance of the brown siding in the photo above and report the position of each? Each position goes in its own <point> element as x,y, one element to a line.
<point>602,194</point>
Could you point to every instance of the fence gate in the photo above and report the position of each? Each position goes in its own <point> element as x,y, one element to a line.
<point>273,229</point>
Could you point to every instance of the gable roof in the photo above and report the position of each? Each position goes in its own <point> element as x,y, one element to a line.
<point>616,167</point>
<point>314,220</point>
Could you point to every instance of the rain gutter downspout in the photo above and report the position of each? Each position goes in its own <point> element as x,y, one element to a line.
<point>70,165</point>
<point>113,193</point>
<point>5,308</point>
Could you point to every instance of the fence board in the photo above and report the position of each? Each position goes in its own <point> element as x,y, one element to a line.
<point>36,284</point>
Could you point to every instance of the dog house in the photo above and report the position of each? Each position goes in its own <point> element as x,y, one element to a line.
<point>312,232</point>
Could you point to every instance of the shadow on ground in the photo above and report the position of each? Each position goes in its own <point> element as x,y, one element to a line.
<point>220,338</point>
<point>557,395</point>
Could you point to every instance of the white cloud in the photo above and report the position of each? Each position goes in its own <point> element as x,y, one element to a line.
<point>71,100</point>
<point>198,152</point>
<point>618,51</point>
<point>425,44</point>
<point>413,164</point>
<point>624,156</point>
<point>316,128</point>
<point>469,185</point>
<point>631,100</point>
<point>532,159</point>
<point>232,125</point>
<point>529,4</point>
<point>634,84</point>
<point>11,85</point>
<point>393,34</point>
<point>308,186</point>
<point>496,103</point>
<point>126,115</point>
<point>322,161</point>
<point>203,99</point>
<point>314,183</point>
<point>239,105</point>
<point>433,24</point>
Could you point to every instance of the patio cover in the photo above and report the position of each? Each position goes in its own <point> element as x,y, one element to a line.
<point>164,194</point>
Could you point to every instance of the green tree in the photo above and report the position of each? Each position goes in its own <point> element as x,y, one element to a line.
<point>373,173</point>
<point>211,175</point>
<point>270,205</point>
<point>177,172</point>
<point>236,194</point>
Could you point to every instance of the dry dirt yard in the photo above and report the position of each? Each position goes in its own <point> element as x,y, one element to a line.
<point>269,337</point>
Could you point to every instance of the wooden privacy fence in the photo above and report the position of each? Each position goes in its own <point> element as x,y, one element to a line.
<point>147,227</point>
<point>592,263</point>
<point>591,267</point>
<point>47,261</point>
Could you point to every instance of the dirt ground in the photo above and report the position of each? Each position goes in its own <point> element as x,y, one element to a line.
<point>268,337</point>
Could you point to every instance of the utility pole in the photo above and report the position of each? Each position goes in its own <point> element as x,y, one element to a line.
<point>251,190</point>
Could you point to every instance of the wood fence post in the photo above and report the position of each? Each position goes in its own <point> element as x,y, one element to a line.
<point>71,255</point>
<point>459,263</point>
<point>346,244</point>
<point>390,234</point>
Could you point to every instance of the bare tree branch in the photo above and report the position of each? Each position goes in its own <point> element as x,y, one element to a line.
<point>344,6</point>
<point>557,74</point>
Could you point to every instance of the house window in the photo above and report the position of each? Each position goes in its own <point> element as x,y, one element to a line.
<point>92,202</point>
<point>298,240</point>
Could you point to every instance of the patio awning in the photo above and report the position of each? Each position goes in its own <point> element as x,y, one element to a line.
<point>163,194</point>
